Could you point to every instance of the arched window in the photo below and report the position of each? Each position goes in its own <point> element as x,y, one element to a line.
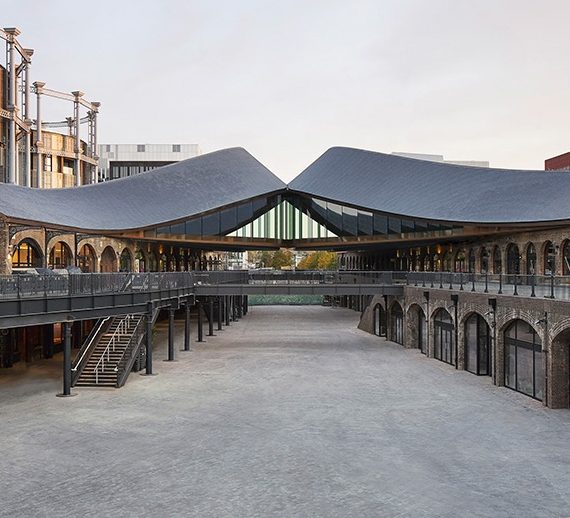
<point>513,259</point>
<point>443,331</point>
<point>549,258</point>
<point>125,261</point>
<point>141,258</point>
<point>27,254</point>
<point>379,320</point>
<point>471,260</point>
<point>397,324</point>
<point>460,261</point>
<point>152,262</point>
<point>530,259</point>
<point>566,257</point>
<point>477,345</point>
<point>108,260</point>
<point>448,261</point>
<point>524,370</point>
<point>60,256</point>
<point>87,259</point>
<point>436,262</point>
<point>484,260</point>
<point>497,263</point>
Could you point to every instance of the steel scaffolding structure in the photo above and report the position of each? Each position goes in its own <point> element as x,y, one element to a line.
<point>15,108</point>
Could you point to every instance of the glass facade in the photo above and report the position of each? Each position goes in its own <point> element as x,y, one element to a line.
<point>444,342</point>
<point>477,346</point>
<point>284,221</point>
<point>524,370</point>
<point>291,217</point>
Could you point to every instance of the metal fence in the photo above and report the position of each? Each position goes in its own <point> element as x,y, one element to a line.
<point>33,286</point>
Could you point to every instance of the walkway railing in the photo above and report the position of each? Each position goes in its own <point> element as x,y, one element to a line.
<point>123,329</point>
<point>546,286</point>
<point>33,286</point>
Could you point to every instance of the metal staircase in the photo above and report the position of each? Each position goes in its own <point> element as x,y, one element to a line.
<point>110,352</point>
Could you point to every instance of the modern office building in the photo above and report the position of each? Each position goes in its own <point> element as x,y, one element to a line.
<point>122,160</point>
<point>439,158</point>
<point>479,258</point>
<point>35,152</point>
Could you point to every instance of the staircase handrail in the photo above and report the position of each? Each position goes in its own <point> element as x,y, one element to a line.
<point>130,353</point>
<point>121,328</point>
<point>85,348</point>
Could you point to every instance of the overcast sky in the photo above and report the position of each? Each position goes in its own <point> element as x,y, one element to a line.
<point>481,80</point>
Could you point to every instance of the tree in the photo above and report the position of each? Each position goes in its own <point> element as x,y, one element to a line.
<point>280,259</point>
<point>318,261</point>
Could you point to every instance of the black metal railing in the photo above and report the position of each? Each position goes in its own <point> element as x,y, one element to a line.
<point>130,353</point>
<point>88,345</point>
<point>33,286</point>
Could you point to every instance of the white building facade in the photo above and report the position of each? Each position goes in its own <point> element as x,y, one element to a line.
<point>122,160</point>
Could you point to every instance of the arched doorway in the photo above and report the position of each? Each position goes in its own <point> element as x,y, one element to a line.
<point>497,263</point>
<point>417,325</point>
<point>87,259</point>
<point>397,324</point>
<point>108,260</point>
<point>125,261</point>
<point>379,320</point>
<point>60,256</point>
<point>549,258</point>
<point>477,346</point>
<point>513,259</point>
<point>530,259</point>
<point>443,331</point>
<point>524,369</point>
<point>27,254</point>
<point>559,393</point>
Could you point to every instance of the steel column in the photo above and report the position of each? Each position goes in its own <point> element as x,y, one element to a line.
<point>12,83</point>
<point>39,157</point>
<point>187,335</point>
<point>77,162</point>
<point>170,357</point>
<point>200,323</point>
<point>211,316</point>
<point>220,309</point>
<point>149,341</point>
<point>66,361</point>
<point>227,310</point>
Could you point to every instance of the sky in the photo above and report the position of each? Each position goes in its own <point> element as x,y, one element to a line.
<point>472,80</point>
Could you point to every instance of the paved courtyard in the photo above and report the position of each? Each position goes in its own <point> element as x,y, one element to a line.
<point>291,411</point>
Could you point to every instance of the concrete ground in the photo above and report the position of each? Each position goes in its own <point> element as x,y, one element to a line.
<point>291,411</point>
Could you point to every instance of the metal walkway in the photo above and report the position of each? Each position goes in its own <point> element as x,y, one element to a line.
<point>42,299</point>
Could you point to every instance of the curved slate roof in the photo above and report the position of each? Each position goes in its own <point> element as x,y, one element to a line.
<point>166,194</point>
<point>431,190</point>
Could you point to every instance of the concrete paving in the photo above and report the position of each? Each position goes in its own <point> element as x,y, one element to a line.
<point>291,411</point>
